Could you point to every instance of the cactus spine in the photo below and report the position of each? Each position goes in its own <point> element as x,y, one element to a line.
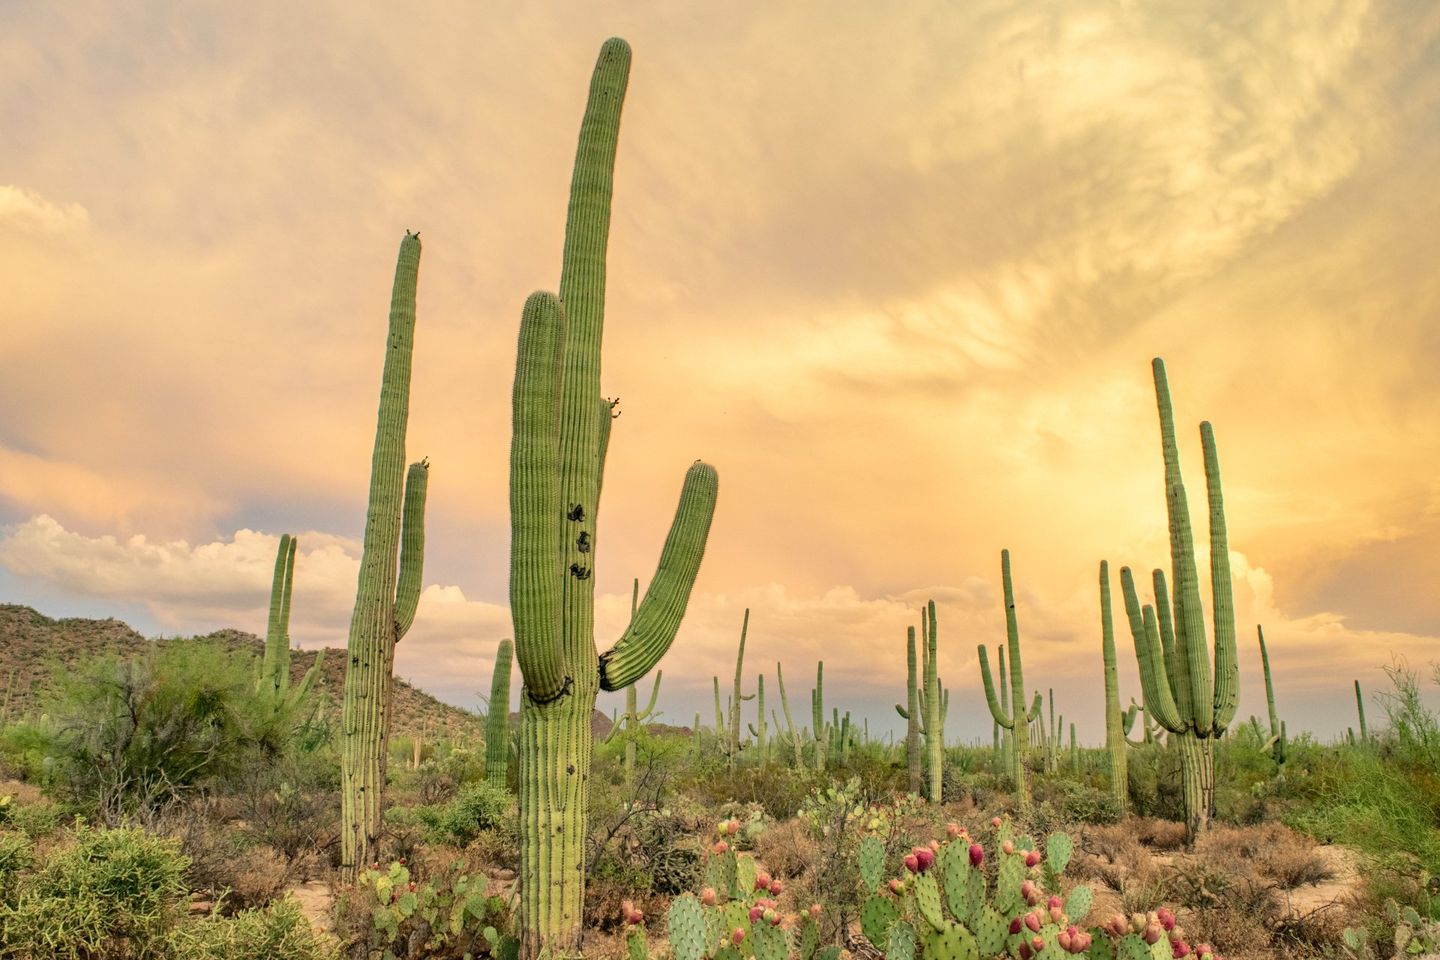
<point>1184,695</point>
<point>388,592</point>
<point>1115,742</point>
<point>1360,706</point>
<point>497,718</point>
<point>561,431</point>
<point>1277,742</point>
<point>1015,720</point>
<point>275,665</point>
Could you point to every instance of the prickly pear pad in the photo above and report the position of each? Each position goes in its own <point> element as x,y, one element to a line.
<point>685,924</point>
<point>872,862</point>
<point>952,942</point>
<point>927,899</point>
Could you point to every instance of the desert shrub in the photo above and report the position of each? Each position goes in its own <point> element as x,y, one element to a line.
<point>24,745</point>
<point>1085,804</point>
<point>277,932</point>
<point>35,820</point>
<point>1280,855</point>
<point>449,913</point>
<point>15,855</point>
<point>108,893</point>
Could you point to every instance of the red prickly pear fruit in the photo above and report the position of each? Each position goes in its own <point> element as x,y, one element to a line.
<point>707,896</point>
<point>1037,943</point>
<point>1007,847</point>
<point>1015,926</point>
<point>952,830</point>
<point>897,886</point>
<point>995,821</point>
<point>733,827</point>
<point>1064,940</point>
<point>1025,952</point>
<point>720,846</point>
<point>912,863</point>
<point>1056,915</point>
<point>756,912</point>
<point>977,854</point>
<point>926,857</point>
<point>762,881</point>
<point>815,910</point>
<point>1152,933</point>
<point>776,887</point>
<point>1032,920</point>
<point>737,935</point>
<point>1166,918</point>
<point>1032,857</point>
<point>1054,903</point>
<point>636,917</point>
<point>1179,949</point>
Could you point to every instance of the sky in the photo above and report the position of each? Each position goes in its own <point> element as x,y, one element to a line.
<point>898,271</point>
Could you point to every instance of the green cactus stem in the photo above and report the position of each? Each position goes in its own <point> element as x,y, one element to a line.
<point>931,704</point>
<point>1116,723</point>
<point>1074,751</point>
<point>911,714</point>
<point>1183,693</point>
<point>738,697</point>
<point>497,718</point>
<point>795,738</point>
<point>1360,707</point>
<point>275,665</point>
<point>1016,720</point>
<point>1276,741</point>
<point>388,591</point>
<point>561,432</point>
<point>820,731</point>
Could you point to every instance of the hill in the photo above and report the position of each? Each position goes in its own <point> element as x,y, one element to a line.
<point>33,646</point>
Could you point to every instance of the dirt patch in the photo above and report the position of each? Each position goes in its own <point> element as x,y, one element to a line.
<point>1344,882</point>
<point>317,903</point>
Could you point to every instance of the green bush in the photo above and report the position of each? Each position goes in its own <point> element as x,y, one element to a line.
<point>278,932</point>
<point>15,856</point>
<point>478,806</point>
<point>107,894</point>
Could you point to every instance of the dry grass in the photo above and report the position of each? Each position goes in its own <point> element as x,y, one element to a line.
<point>1273,850</point>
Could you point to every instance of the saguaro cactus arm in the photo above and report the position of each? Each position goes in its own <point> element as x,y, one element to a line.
<point>658,619</point>
<point>1151,658</point>
<point>412,547</point>
<point>275,665</point>
<point>1227,665</point>
<point>1000,715</point>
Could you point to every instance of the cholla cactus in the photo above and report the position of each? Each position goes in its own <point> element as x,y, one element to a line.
<point>557,458</point>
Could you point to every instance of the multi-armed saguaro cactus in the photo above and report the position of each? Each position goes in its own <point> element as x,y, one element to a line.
<point>275,665</point>
<point>1115,719</point>
<point>557,457</point>
<point>1015,721</point>
<point>1278,738</point>
<point>1181,691</point>
<point>497,718</point>
<point>389,589</point>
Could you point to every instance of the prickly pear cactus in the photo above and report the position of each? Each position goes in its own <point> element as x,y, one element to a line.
<point>744,875</point>
<point>635,945</point>
<point>990,931</point>
<point>872,862</point>
<point>1058,850</point>
<point>951,942</point>
<point>927,899</point>
<point>955,870</point>
<point>685,924</point>
<point>876,916</point>
<point>809,937</point>
<point>1008,882</point>
<point>1077,903</point>
<point>901,942</point>
<point>769,941</point>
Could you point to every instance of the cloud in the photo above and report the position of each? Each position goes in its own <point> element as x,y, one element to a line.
<point>24,211</point>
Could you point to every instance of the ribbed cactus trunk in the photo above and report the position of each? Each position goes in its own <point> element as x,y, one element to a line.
<point>275,664</point>
<point>1185,696</point>
<point>1017,719</point>
<point>497,719</point>
<point>1116,746</point>
<point>561,432</point>
<point>737,697</point>
<point>817,713</point>
<point>789,720</point>
<point>388,591</point>
<point>934,722</point>
<point>1360,707</point>
<point>631,704</point>
<point>1277,728</point>
<point>1005,734</point>
<point>760,730</point>
<point>914,762</point>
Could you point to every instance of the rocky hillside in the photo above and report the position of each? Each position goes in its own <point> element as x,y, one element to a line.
<point>33,646</point>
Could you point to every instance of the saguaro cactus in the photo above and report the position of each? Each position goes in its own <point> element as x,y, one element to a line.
<point>497,718</point>
<point>911,714</point>
<point>737,698</point>
<point>1016,721</point>
<point>820,731</point>
<point>795,739</point>
<point>1360,706</point>
<point>388,590</point>
<point>275,664</point>
<point>1277,742</point>
<point>932,705</point>
<point>561,430</point>
<point>629,723</point>
<point>1115,742</point>
<point>1185,697</point>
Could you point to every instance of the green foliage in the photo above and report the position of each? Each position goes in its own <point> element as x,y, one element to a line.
<point>16,854</point>
<point>108,893</point>
<point>476,807</point>
<point>279,931</point>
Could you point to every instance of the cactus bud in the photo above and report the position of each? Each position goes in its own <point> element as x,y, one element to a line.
<point>1202,949</point>
<point>897,886</point>
<point>1032,857</point>
<point>1064,940</point>
<point>815,910</point>
<point>707,896</point>
<point>912,863</point>
<point>776,887</point>
<point>1037,943</point>
<point>1166,918</point>
<point>995,821</point>
<point>1055,903</point>
<point>1007,847</point>
<point>977,854</point>
<point>756,912</point>
<point>635,917</point>
<point>1151,934</point>
<point>1032,920</point>
<point>1179,949</point>
<point>737,936</point>
<point>762,880</point>
<point>770,916</point>
<point>720,846</point>
<point>1056,915</point>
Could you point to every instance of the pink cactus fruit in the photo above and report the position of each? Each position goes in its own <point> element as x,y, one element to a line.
<point>815,910</point>
<point>737,935</point>
<point>995,821</point>
<point>708,897</point>
<point>912,863</point>
<point>977,854</point>
<point>1032,857</point>
<point>762,880</point>
<point>1008,847</point>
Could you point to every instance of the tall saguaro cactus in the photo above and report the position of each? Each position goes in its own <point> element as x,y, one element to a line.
<point>795,739</point>
<point>497,718</point>
<point>389,585</point>
<point>1183,694</point>
<point>911,714</point>
<point>557,455</point>
<point>1016,720</point>
<point>275,665</point>
<point>1116,745</point>
<point>1360,707</point>
<point>737,698</point>
<point>1278,739</point>
<point>932,705</point>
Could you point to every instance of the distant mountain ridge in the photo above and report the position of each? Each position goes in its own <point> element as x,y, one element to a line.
<point>32,644</point>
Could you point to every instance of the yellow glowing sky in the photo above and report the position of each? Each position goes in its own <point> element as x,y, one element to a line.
<point>897,270</point>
